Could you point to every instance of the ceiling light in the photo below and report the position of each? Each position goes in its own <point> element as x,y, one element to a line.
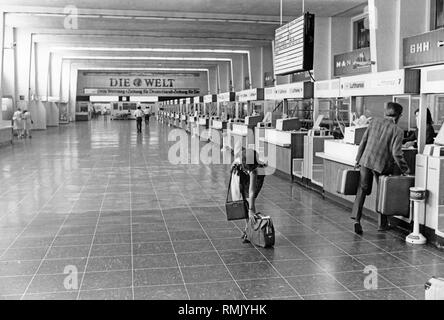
<point>94,16</point>
<point>150,18</point>
<point>50,15</point>
<point>180,19</point>
<point>242,21</point>
<point>117,17</point>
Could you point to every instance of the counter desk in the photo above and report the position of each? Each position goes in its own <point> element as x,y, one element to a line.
<point>281,148</point>
<point>243,134</point>
<point>6,133</point>
<point>218,131</point>
<point>203,125</point>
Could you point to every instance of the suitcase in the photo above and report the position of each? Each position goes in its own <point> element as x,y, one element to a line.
<point>260,231</point>
<point>348,182</point>
<point>434,289</point>
<point>235,209</point>
<point>393,198</point>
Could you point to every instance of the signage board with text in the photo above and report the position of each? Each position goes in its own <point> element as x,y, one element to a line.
<point>226,97</point>
<point>352,63</point>
<point>141,83</point>
<point>256,94</point>
<point>210,98</point>
<point>424,49</point>
<point>395,82</point>
<point>432,79</point>
<point>294,46</point>
<point>327,89</point>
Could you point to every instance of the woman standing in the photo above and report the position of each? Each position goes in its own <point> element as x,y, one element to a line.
<point>18,122</point>
<point>412,139</point>
<point>248,180</point>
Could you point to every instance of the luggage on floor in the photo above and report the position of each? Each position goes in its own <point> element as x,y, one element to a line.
<point>434,289</point>
<point>237,208</point>
<point>393,198</point>
<point>260,231</point>
<point>348,182</point>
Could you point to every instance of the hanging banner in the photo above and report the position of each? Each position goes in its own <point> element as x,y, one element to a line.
<point>141,83</point>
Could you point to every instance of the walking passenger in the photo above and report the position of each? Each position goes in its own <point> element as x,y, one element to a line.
<point>139,115</point>
<point>18,122</point>
<point>27,123</point>
<point>379,152</point>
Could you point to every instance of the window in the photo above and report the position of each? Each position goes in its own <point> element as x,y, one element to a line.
<point>361,34</point>
<point>439,14</point>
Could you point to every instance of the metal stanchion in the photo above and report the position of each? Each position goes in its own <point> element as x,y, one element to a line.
<point>417,197</point>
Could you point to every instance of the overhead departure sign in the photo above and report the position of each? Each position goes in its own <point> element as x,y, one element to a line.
<point>294,44</point>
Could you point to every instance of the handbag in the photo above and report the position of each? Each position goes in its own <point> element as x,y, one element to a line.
<point>238,209</point>
<point>260,231</point>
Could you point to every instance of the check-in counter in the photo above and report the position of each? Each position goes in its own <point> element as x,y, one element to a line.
<point>281,147</point>
<point>310,169</point>
<point>183,121</point>
<point>218,131</point>
<point>193,121</point>
<point>177,120</point>
<point>259,136</point>
<point>203,124</point>
<point>5,133</point>
<point>243,132</point>
<point>338,156</point>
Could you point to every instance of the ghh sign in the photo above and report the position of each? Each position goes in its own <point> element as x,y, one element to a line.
<point>424,49</point>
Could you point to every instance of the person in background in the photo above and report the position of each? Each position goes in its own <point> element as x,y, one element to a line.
<point>139,115</point>
<point>247,167</point>
<point>380,150</point>
<point>412,139</point>
<point>27,123</point>
<point>18,122</point>
<point>147,113</point>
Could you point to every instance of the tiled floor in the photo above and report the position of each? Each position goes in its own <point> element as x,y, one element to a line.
<point>98,198</point>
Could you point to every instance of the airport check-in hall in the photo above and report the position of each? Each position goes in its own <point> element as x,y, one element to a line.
<point>222,150</point>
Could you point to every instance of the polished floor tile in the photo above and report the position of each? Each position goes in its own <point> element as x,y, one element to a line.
<point>315,284</point>
<point>108,204</point>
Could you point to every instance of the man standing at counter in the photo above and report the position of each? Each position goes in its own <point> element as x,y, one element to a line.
<point>379,151</point>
